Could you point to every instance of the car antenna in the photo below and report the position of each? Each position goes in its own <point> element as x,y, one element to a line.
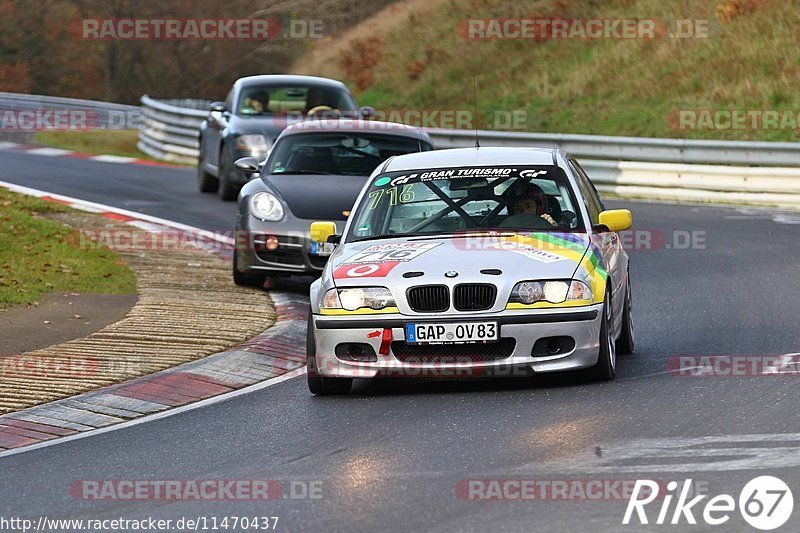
<point>475,102</point>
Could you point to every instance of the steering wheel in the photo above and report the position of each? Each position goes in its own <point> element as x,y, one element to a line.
<point>318,109</point>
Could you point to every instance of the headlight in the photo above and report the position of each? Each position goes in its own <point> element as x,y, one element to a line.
<point>266,206</point>
<point>253,143</point>
<point>351,299</point>
<point>556,292</point>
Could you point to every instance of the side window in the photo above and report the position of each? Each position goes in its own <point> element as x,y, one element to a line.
<point>593,204</point>
<point>596,195</point>
<point>229,100</point>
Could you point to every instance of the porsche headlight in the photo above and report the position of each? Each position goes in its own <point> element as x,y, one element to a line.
<point>253,143</point>
<point>556,292</point>
<point>376,298</point>
<point>266,206</point>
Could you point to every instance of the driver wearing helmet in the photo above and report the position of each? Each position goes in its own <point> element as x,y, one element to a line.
<point>526,202</point>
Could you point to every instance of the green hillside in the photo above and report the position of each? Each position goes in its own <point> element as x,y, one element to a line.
<point>413,56</point>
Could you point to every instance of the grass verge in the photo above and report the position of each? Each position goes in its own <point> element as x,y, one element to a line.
<point>419,59</point>
<point>38,255</point>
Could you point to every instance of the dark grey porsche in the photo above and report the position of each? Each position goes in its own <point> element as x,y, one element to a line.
<point>315,171</point>
<point>252,116</point>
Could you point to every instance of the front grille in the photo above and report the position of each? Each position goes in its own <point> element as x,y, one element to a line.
<point>474,296</point>
<point>429,298</point>
<point>453,353</point>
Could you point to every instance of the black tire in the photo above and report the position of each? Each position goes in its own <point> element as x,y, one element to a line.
<point>318,385</point>
<point>246,280</point>
<point>227,191</point>
<point>606,367</point>
<point>625,342</point>
<point>205,181</point>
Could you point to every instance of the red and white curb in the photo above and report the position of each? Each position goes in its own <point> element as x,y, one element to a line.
<point>32,149</point>
<point>253,365</point>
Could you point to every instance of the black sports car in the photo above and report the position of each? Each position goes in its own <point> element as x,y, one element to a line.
<point>252,116</point>
<point>315,172</point>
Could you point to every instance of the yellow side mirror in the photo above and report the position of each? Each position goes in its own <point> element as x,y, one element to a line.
<point>616,219</point>
<point>320,231</point>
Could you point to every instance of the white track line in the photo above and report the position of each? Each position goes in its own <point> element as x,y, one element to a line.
<point>53,152</point>
<point>157,416</point>
<point>112,159</point>
<point>100,208</point>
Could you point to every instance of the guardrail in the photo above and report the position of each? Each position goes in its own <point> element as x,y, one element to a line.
<point>771,154</point>
<point>169,128</point>
<point>103,114</point>
<point>735,172</point>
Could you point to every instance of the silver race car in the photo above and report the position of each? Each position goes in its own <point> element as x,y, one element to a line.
<point>471,262</point>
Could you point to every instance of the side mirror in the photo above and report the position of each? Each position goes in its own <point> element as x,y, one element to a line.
<point>323,231</point>
<point>616,219</point>
<point>366,111</point>
<point>217,107</point>
<point>248,165</point>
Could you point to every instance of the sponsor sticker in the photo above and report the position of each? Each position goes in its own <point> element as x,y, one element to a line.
<point>526,250</point>
<point>365,270</point>
<point>400,252</point>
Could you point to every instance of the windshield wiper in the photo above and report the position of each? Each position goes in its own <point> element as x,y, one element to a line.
<point>317,172</point>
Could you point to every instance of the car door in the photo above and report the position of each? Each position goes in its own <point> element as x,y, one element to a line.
<point>608,242</point>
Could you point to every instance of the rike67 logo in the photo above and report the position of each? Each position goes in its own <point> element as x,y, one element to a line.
<point>766,503</point>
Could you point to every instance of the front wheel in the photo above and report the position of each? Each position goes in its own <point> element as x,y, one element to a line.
<point>606,367</point>
<point>317,384</point>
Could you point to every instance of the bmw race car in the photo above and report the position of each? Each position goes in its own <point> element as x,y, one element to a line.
<point>480,261</point>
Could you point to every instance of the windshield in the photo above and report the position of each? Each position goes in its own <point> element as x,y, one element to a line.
<point>269,99</point>
<point>457,199</point>
<point>352,153</point>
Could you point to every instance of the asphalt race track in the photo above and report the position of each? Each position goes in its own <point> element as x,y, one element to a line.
<point>397,455</point>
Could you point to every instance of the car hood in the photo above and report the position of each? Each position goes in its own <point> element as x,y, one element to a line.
<point>317,197</point>
<point>499,258</point>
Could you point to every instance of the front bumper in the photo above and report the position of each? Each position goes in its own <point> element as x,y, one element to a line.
<point>291,257</point>
<point>525,327</point>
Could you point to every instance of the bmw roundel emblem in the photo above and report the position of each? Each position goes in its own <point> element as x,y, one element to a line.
<point>450,274</point>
